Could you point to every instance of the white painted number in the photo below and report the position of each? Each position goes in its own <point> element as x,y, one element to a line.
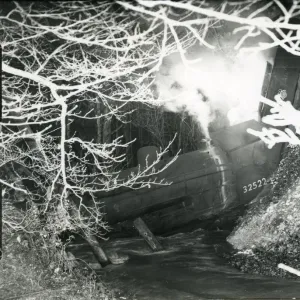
<point>254,185</point>
<point>259,183</point>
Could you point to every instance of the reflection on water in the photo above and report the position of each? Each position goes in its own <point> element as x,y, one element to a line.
<point>188,268</point>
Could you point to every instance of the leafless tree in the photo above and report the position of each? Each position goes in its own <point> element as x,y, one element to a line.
<point>58,55</point>
<point>253,18</point>
<point>271,20</point>
<point>55,57</point>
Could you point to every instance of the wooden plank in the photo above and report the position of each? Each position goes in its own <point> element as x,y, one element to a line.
<point>147,235</point>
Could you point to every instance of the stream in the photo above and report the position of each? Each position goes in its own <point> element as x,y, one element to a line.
<point>190,267</point>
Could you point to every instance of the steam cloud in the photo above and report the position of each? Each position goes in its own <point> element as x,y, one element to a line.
<point>210,85</point>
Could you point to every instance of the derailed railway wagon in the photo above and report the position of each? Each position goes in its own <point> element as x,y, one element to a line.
<point>231,171</point>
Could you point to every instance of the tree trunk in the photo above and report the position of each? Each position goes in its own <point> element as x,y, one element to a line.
<point>127,136</point>
<point>99,123</point>
<point>93,242</point>
<point>98,139</point>
<point>106,127</point>
<point>97,250</point>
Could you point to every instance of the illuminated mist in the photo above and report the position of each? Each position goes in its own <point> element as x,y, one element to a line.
<point>212,84</point>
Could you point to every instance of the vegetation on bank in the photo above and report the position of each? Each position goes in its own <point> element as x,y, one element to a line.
<point>29,270</point>
<point>269,233</point>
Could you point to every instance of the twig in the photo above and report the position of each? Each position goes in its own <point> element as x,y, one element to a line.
<point>289,269</point>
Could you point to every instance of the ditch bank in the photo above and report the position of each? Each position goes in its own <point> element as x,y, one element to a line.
<point>269,232</point>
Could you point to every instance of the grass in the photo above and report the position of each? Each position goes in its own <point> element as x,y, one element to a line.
<point>22,276</point>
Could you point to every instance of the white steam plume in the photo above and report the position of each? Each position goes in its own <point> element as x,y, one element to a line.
<point>212,84</point>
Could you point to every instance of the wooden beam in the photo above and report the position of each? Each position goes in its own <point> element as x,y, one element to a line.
<point>147,235</point>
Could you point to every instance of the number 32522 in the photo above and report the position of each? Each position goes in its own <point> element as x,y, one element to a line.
<point>254,185</point>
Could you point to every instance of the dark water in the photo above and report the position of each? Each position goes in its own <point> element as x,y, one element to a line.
<point>189,268</point>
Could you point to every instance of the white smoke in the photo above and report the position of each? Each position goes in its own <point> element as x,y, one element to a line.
<point>248,75</point>
<point>209,85</point>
